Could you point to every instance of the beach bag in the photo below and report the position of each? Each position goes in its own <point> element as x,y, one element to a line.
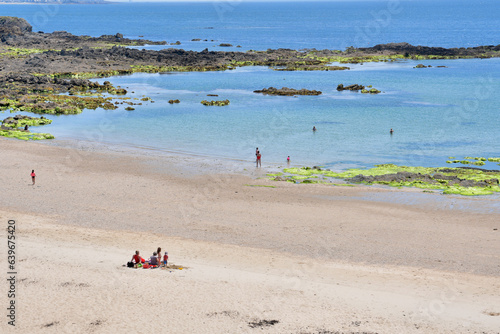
<point>145,266</point>
<point>130,264</point>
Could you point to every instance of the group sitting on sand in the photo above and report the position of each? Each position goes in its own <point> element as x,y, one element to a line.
<point>155,261</point>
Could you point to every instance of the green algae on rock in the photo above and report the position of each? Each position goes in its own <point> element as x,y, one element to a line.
<point>21,121</point>
<point>371,91</point>
<point>357,87</point>
<point>464,181</point>
<point>56,104</point>
<point>215,103</point>
<point>285,91</point>
<point>24,135</point>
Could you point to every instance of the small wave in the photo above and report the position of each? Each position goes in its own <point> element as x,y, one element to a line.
<point>427,104</point>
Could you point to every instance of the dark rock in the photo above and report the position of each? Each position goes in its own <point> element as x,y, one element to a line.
<point>285,91</point>
<point>468,183</point>
<point>14,26</point>
<point>412,177</point>
<point>354,87</point>
<point>447,177</point>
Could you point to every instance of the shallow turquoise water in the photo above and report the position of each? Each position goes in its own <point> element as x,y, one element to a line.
<point>435,112</point>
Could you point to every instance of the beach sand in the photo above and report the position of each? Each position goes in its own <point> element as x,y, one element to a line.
<point>288,259</point>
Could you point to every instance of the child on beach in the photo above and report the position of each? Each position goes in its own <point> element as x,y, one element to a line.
<point>33,175</point>
<point>158,251</point>
<point>165,259</point>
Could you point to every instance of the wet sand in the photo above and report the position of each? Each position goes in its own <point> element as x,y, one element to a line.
<point>314,257</point>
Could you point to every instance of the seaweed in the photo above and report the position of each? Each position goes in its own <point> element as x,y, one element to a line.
<point>464,181</point>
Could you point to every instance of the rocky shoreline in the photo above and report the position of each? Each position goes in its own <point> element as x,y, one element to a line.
<point>37,67</point>
<point>467,181</point>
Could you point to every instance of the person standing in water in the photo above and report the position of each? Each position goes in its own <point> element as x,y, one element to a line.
<point>258,159</point>
<point>33,175</point>
<point>288,159</point>
<point>392,131</point>
<point>314,128</point>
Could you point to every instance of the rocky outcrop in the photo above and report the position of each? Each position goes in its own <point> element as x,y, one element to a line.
<point>354,87</point>
<point>13,26</point>
<point>215,103</point>
<point>357,88</point>
<point>450,180</point>
<point>285,91</point>
<point>408,49</point>
<point>370,91</point>
<point>21,121</point>
<point>18,32</point>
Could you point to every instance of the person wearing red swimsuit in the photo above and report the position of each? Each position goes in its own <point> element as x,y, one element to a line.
<point>258,159</point>
<point>136,258</point>
<point>33,175</point>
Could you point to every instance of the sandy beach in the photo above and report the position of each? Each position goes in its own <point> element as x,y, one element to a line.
<point>282,259</point>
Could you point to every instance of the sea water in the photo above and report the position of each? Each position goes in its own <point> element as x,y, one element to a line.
<point>436,112</point>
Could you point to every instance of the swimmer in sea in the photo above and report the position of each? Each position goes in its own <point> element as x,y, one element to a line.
<point>391,132</point>
<point>314,129</point>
